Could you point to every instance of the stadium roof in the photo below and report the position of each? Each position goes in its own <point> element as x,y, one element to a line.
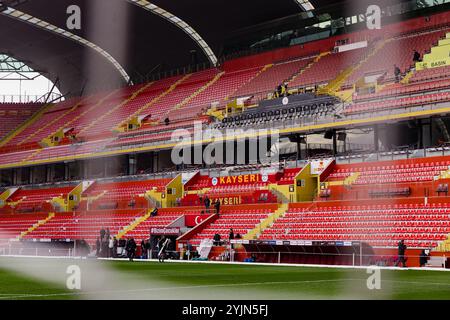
<point>122,39</point>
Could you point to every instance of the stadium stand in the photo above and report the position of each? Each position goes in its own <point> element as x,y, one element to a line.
<point>375,202</point>
<point>12,115</point>
<point>378,225</point>
<point>36,200</point>
<point>84,225</point>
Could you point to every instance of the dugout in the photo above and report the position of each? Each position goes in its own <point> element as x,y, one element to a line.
<point>308,252</point>
<point>171,233</point>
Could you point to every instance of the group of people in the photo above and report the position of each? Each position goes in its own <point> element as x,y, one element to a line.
<point>401,259</point>
<point>216,204</point>
<point>398,72</point>
<point>231,236</point>
<point>106,245</point>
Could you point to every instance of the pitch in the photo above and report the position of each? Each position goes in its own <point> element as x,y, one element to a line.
<point>152,280</point>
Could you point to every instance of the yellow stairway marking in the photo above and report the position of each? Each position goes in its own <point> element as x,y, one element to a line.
<point>258,230</point>
<point>309,65</point>
<point>51,122</point>
<point>92,107</point>
<point>443,246</point>
<point>36,225</point>
<point>31,156</point>
<point>120,105</point>
<point>337,83</point>
<point>154,100</point>
<point>267,66</point>
<point>444,174</point>
<point>352,178</point>
<point>196,93</point>
<point>133,225</point>
<point>407,77</point>
<point>24,125</point>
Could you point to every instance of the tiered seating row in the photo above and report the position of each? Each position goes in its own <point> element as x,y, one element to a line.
<point>12,115</point>
<point>382,226</point>
<point>241,221</point>
<point>392,173</point>
<point>84,225</point>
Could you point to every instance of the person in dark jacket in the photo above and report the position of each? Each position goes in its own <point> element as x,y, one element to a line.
<point>207,204</point>
<point>143,249</point>
<point>397,73</point>
<point>216,239</point>
<point>416,56</point>
<point>231,237</point>
<point>217,206</point>
<point>401,254</point>
<point>97,247</point>
<point>131,249</point>
<point>115,245</point>
<point>423,259</point>
<point>102,234</point>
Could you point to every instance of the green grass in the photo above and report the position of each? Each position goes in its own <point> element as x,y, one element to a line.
<point>124,280</point>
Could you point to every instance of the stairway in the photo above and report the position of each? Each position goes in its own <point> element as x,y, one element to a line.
<point>309,65</point>
<point>438,56</point>
<point>269,221</point>
<point>123,103</point>
<point>31,156</point>
<point>232,94</point>
<point>72,120</point>
<point>196,93</point>
<point>35,226</point>
<point>24,125</point>
<point>133,225</point>
<point>135,115</point>
<point>335,85</point>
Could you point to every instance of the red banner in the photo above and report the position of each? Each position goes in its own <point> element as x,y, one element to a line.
<point>193,220</point>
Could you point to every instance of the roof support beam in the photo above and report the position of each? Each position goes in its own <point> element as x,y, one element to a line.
<point>36,22</point>
<point>144,4</point>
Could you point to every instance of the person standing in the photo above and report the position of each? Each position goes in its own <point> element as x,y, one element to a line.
<point>115,245</point>
<point>143,250</point>
<point>131,249</point>
<point>189,252</point>
<point>423,259</point>
<point>111,247</point>
<point>97,247</point>
<point>397,73</point>
<point>401,254</point>
<point>416,56</point>
<point>217,206</point>
<point>107,234</point>
<point>207,204</point>
<point>162,251</point>
<point>231,237</point>
<point>102,234</point>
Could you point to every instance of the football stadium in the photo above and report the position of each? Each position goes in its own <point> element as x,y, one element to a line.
<point>224,150</point>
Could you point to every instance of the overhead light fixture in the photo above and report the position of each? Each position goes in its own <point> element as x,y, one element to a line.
<point>24,17</point>
<point>305,4</point>
<point>144,4</point>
